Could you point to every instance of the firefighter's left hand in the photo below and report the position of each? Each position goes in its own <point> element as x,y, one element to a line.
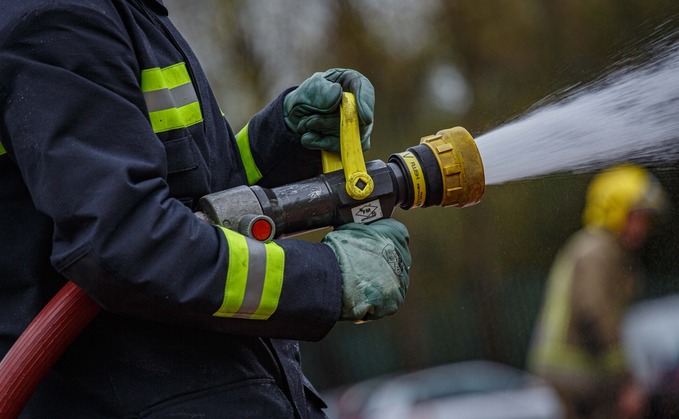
<point>312,109</point>
<point>374,260</point>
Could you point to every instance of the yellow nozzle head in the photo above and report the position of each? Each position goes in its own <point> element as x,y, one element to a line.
<point>444,169</point>
<point>460,165</point>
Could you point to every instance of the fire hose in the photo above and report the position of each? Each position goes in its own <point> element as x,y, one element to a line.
<point>445,169</point>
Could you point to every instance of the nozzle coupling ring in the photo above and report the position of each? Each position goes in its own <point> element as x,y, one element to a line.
<point>444,169</point>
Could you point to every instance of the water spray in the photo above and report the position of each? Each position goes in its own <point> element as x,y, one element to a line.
<point>630,115</point>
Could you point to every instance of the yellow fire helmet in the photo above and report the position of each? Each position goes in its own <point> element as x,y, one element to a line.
<point>618,190</point>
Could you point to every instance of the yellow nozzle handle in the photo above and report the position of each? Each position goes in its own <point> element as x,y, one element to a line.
<point>359,184</point>
<point>332,162</point>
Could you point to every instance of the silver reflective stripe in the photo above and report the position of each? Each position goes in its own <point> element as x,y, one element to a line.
<point>255,283</point>
<point>177,97</point>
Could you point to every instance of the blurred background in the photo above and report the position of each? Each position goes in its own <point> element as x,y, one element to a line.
<point>478,272</point>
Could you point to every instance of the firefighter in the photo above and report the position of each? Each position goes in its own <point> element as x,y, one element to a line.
<point>110,134</point>
<point>595,277</point>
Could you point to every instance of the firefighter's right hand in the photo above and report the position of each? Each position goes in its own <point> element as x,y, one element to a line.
<point>374,260</point>
<point>312,110</point>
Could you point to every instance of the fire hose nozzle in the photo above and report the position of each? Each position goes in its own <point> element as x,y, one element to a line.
<point>444,170</point>
<point>461,167</point>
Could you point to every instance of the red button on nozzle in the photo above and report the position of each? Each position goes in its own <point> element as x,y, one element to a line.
<point>258,226</point>
<point>261,229</point>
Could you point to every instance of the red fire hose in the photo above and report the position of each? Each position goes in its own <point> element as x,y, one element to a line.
<point>40,345</point>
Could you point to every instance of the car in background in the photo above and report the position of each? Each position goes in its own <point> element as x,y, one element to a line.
<point>465,390</point>
<point>650,336</point>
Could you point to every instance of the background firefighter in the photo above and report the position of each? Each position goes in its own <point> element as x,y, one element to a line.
<point>595,277</point>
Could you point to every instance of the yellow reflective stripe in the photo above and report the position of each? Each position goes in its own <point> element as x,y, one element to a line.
<point>251,170</point>
<point>152,80</point>
<point>176,75</point>
<point>553,351</point>
<point>164,78</point>
<point>557,356</point>
<point>2,149</point>
<point>170,97</point>
<point>254,279</point>
<point>174,118</point>
<point>236,275</point>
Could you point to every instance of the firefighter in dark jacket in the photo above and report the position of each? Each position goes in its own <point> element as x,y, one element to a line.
<point>109,135</point>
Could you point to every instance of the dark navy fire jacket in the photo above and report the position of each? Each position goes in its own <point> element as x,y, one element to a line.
<point>110,134</point>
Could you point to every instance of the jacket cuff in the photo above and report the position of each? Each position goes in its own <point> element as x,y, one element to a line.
<point>312,289</point>
<point>277,151</point>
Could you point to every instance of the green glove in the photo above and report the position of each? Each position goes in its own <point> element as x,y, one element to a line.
<point>374,260</point>
<point>312,109</point>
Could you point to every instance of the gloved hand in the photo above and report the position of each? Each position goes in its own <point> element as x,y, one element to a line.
<point>312,109</point>
<point>374,260</point>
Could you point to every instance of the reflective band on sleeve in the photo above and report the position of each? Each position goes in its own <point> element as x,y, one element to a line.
<point>251,169</point>
<point>254,278</point>
<point>2,149</point>
<point>159,100</point>
<point>170,97</point>
<point>169,119</point>
<point>164,78</point>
